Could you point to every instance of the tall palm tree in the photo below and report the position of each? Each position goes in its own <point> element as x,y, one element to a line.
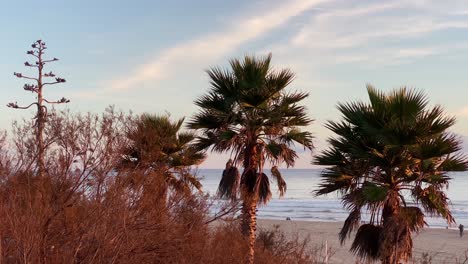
<point>390,157</point>
<point>248,112</point>
<point>157,144</point>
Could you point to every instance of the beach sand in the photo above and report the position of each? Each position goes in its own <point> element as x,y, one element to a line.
<point>443,245</point>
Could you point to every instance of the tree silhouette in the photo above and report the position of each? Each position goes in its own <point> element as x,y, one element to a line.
<point>38,51</point>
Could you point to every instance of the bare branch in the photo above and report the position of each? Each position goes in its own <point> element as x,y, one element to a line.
<point>51,60</point>
<point>32,52</point>
<point>229,210</point>
<point>20,75</point>
<point>50,74</point>
<point>30,65</point>
<point>63,100</point>
<point>15,105</point>
<point>58,80</point>
<point>31,88</point>
<point>30,78</point>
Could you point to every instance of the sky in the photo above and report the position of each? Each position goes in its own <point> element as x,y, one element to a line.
<point>151,56</point>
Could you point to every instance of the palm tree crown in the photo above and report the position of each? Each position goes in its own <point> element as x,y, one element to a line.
<point>156,143</point>
<point>388,153</point>
<point>248,112</point>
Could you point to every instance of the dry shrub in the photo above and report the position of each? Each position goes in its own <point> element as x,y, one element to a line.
<point>39,228</point>
<point>430,258</point>
<point>227,245</point>
<point>86,210</point>
<point>273,245</point>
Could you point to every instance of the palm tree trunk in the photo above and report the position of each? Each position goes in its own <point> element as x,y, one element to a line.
<point>249,226</point>
<point>250,198</point>
<point>395,243</point>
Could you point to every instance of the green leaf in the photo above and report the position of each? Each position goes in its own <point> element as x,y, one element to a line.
<point>374,193</point>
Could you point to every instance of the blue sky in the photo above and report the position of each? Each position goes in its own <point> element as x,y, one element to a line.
<point>150,56</point>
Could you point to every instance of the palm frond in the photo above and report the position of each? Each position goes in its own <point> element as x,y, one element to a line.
<point>374,193</point>
<point>331,157</point>
<point>436,179</point>
<point>406,104</point>
<point>293,98</point>
<point>435,202</point>
<point>455,163</point>
<point>352,222</point>
<point>376,98</point>
<point>334,180</point>
<point>206,120</point>
<point>279,180</point>
<point>223,83</point>
<point>230,180</point>
<point>438,146</point>
<point>435,121</point>
<point>279,153</point>
<point>414,217</point>
<point>277,81</point>
<point>304,138</point>
<point>249,181</point>
<point>353,112</point>
<point>366,242</point>
<point>184,138</point>
<point>264,191</point>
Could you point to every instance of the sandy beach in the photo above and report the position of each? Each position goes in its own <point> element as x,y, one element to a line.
<point>443,245</point>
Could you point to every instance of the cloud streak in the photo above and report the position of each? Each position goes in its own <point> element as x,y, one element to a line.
<point>359,32</point>
<point>213,45</point>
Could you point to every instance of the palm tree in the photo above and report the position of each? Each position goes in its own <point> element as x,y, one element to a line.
<point>390,157</point>
<point>248,112</point>
<point>156,144</point>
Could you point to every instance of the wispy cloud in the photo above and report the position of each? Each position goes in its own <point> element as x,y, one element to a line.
<point>213,45</point>
<point>337,24</point>
<point>358,32</point>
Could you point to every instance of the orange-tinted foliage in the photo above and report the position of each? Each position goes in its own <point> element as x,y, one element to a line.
<point>86,211</point>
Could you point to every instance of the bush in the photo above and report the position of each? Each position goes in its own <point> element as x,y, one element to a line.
<point>86,209</point>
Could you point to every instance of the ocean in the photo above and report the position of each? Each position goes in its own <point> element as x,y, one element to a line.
<point>299,202</point>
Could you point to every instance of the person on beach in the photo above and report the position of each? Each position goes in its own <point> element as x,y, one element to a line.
<point>461,227</point>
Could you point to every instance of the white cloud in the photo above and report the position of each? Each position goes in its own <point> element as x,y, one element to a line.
<point>214,45</point>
